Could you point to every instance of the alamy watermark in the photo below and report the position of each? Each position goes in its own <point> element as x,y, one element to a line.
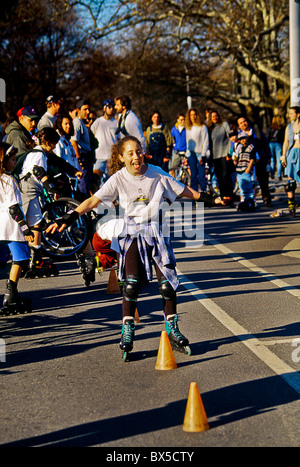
<point>296,352</point>
<point>2,90</point>
<point>181,221</point>
<point>295,92</point>
<point>2,351</point>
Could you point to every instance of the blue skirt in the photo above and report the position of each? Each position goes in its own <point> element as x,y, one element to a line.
<point>292,169</point>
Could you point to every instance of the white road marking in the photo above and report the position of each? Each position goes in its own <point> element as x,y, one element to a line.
<point>286,372</point>
<point>248,264</point>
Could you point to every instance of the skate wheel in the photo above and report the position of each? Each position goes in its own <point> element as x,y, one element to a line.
<point>4,312</point>
<point>125,357</point>
<point>188,350</point>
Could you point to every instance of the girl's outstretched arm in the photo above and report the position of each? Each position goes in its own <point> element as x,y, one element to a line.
<point>203,197</point>
<point>86,206</point>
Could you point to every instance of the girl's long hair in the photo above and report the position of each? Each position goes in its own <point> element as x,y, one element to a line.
<point>58,126</point>
<point>210,124</point>
<point>3,148</point>
<point>117,150</point>
<point>188,123</point>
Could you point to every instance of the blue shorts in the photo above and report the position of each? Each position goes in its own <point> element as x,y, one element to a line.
<point>19,250</point>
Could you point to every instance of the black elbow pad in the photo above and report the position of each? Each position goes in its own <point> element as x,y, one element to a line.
<point>39,172</point>
<point>16,213</point>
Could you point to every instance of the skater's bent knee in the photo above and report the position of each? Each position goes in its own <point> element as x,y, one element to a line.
<point>166,290</point>
<point>131,287</point>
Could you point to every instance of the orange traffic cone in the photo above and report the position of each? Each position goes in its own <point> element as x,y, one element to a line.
<point>113,284</point>
<point>136,316</point>
<point>165,357</point>
<point>195,419</point>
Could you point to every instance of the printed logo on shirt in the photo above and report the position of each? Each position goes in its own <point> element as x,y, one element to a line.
<point>141,199</point>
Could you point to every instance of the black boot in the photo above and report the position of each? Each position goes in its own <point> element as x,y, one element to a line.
<point>12,302</point>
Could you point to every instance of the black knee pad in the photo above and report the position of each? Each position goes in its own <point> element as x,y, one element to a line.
<point>165,289</point>
<point>291,186</point>
<point>131,288</point>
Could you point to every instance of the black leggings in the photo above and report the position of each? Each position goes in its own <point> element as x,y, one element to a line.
<point>135,267</point>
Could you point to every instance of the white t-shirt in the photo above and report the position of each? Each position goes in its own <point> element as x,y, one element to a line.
<point>140,196</point>
<point>9,195</point>
<point>105,132</point>
<point>47,120</point>
<point>197,139</point>
<point>35,157</point>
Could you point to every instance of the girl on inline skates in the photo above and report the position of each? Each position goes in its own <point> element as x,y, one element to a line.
<point>137,235</point>
<point>14,232</point>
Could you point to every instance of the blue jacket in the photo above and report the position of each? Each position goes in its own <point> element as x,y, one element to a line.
<point>179,139</point>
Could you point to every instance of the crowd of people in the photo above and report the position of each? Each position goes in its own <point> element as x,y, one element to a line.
<point>113,158</point>
<point>85,142</point>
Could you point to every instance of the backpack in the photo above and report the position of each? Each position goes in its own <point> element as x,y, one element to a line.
<point>121,125</point>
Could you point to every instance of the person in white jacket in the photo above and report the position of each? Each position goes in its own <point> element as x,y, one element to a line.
<point>197,139</point>
<point>14,232</point>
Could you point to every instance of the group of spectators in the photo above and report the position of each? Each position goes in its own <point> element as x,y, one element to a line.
<point>85,142</point>
<point>78,143</point>
<point>217,145</point>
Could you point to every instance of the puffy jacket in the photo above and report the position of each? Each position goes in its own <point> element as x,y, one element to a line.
<point>17,135</point>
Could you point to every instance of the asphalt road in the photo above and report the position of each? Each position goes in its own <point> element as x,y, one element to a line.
<point>63,382</point>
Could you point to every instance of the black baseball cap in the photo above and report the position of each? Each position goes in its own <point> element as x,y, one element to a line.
<point>29,111</point>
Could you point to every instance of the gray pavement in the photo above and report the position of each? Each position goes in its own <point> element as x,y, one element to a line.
<point>64,383</point>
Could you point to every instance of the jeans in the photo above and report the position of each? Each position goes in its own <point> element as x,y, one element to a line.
<point>84,183</point>
<point>198,175</point>
<point>246,186</point>
<point>276,151</point>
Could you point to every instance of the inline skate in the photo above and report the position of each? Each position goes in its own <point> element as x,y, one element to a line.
<point>246,205</point>
<point>127,337</point>
<point>38,267</point>
<point>292,206</point>
<point>177,340</point>
<point>87,266</point>
<point>13,303</point>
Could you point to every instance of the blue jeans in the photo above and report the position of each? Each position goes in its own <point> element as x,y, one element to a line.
<point>246,186</point>
<point>84,183</point>
<point>276,152</point>
<point>197,172</point>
